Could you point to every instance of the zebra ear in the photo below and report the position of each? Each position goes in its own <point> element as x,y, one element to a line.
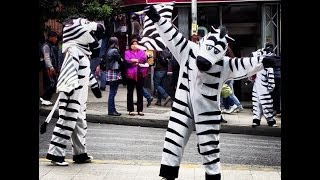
<point>214,30</point>
<point>68,21</point>
<point>229,38</point>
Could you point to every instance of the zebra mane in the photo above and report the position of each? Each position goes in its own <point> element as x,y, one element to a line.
<point>150,39</point>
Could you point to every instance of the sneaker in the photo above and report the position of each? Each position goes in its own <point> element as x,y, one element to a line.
<point>240,108</point>
<point>114,114</point>
<point>272,123</point>
<point>45,102</point>
<point>149,101</point>
<point>167,178</point>
<point>90,158</point>
<point>63,163</point>
<point>158,103</point>
<point>232,109</point>
<point>167,100</point>
<point>223,120</point>
<point>255,122</point>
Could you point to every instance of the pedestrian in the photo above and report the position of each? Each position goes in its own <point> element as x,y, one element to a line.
<point>160,74</point>
<point>51,61</point>
<point>137,70</point>
<point>113,74</point>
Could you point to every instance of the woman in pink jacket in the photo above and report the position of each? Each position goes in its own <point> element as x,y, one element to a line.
<point>137,70</point>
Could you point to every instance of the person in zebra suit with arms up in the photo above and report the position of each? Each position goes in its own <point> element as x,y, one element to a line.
<point>73,82</point>
<point>204,69</point>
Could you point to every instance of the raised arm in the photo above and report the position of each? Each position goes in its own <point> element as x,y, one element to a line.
<point>174,40</point>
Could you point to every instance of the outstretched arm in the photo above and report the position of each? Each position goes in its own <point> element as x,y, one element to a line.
<point>239,68</point>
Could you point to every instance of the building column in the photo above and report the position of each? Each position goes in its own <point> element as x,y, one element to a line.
<point>183,21</point>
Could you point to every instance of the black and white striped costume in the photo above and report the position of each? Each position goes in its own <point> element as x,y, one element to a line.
<point>72,86</point>
<point>261,93</point>
<point>204,68</point>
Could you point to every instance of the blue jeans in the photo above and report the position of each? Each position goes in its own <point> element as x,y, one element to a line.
<point>158,78</point>
<point>146,94</point>
<point>112,94</point>
<point>103,81</point>
<point>232,96</point>
<point>227,102</point>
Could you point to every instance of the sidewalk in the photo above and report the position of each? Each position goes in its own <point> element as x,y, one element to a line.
<point>125,170</point>
<point>158,116</point>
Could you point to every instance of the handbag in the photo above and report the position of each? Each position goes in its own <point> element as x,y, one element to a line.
<point>150,57</point>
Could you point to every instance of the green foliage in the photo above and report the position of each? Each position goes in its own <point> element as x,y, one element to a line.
<point>91,9</point>
<point>95,11</point>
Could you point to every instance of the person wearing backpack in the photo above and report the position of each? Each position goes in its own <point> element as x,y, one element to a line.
<point>160,74</point>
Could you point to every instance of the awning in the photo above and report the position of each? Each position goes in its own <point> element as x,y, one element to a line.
<point>143,2</point>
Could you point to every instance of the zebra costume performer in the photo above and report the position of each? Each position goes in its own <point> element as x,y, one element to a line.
<point>204,68</point>
<point>73,82</point>
<point>261,93</point>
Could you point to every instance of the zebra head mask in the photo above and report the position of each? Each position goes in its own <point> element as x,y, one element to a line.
<point>213,47</point>
<point>82,32</point>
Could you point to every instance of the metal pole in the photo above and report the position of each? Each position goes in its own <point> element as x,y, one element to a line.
<point>194,25</point>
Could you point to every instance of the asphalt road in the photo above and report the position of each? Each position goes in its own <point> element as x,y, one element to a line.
<point>136,144</point>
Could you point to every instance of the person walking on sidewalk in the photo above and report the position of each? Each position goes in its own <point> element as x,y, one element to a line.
<point>160,74</point>
<point>73,83</point>
<point>147,95</point>
<point>232,104</point>
<point>50,57</point>
<point>137,70</point>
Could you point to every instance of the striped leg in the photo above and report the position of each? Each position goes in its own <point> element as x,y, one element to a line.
<point>208,135</point>
<point>267,108</point>
<point>179,130</point>
<point>257,112</point>
<point>69,107</point>
<point>78,140</point>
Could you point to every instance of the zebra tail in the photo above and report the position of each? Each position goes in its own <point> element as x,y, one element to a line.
<point>43,127</point>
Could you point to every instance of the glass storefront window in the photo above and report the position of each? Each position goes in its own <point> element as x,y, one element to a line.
<point>207,16</point>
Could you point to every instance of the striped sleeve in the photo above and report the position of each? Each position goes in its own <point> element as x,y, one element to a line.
<point>68,78</point>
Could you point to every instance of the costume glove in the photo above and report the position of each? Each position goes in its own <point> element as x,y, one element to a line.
<point>97,92</point>
<point>271,61</point>
<point>153,14</point>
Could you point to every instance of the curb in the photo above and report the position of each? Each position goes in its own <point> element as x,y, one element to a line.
<point>122,120</point>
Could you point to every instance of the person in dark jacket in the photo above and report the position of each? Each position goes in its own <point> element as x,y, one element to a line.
<point>113,74</point>
<point>160,74</point>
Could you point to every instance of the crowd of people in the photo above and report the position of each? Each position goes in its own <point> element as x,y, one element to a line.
<point>112,67</point>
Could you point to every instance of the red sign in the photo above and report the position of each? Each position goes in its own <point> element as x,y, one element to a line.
<point>133,2</point>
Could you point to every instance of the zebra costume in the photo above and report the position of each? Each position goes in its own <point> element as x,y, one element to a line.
<point>261,94</point>
<point>203,71</point>
<point>73,82</point>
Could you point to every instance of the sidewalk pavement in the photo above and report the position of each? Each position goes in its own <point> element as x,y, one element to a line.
<point>128,170</point>
<point>158,116</point>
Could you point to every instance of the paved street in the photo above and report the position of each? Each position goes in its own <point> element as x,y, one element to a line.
<point>125,151</point>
